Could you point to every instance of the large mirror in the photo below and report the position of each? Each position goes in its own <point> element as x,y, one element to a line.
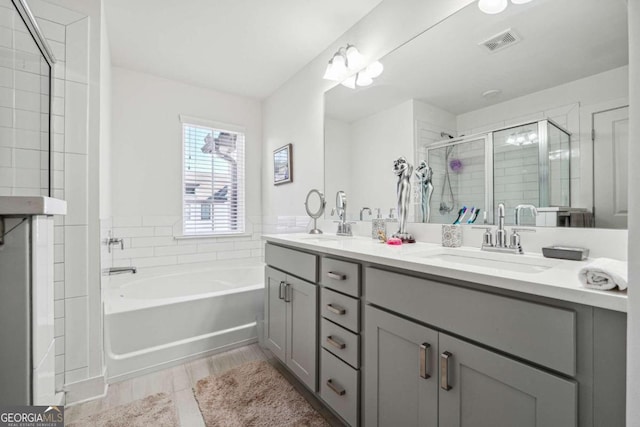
<point>526,107</point>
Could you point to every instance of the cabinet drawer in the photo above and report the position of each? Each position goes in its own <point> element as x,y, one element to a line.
<point>340,309</point>
<point>341,342</point>
<point>340,275</point>
<point>542,334</point>
<point>297,263</point>
<point>339,387</point>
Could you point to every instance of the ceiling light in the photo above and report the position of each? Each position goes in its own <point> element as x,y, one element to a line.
<point>346,66</point>
<point>363,79</point>
<point>520,1</point>
<point>374,69</point>
<point>349,82</point>
<point>492,6</point>
<point>355,61</point>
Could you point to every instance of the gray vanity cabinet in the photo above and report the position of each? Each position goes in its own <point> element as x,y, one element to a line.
<point>416,376</point>
<point>480,388</point>
<point>291,311</point>
<point>401,381</point>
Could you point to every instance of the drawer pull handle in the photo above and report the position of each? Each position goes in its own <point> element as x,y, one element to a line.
<point>336,276</point>
<point>334,342</point>
<point>425,356</point>
<point>287,293</point>
<point>280,290</point>
<point>336,309</point>
<point>444,371</point>
<point>336,388</point>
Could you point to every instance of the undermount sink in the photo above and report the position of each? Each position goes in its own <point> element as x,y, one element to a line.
<point>319,238</point>
<point>509,262</point>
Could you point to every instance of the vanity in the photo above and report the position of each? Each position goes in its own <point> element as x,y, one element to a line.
<point>424,335</point>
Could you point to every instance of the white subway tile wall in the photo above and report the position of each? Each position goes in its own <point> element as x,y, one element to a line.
<point>24,159</point>
<point>149,242</point>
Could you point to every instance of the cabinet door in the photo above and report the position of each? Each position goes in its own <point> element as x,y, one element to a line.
<point>481,388</point>
<point>275,313</point>
<point>302,328</point>
<point>400,382</point>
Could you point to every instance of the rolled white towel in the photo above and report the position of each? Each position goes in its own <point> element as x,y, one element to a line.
<point>604,274</point>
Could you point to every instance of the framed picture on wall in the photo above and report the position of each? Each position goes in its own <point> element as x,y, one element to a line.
<point>282,170</point>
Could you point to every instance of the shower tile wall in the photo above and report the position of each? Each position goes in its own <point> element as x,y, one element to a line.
<point>67,34</point>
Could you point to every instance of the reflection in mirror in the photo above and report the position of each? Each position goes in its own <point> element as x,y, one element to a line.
<point>567,63</point>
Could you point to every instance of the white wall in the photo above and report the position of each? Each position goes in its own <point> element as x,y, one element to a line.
<point>146,168</point>
<point>294,113</point>
<point>633,321</point>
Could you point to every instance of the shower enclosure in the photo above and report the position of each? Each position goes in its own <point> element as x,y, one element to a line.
<point>523,164</point>
<point>26,65</point>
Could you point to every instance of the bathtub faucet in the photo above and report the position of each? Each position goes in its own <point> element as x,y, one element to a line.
<point>121,270</point>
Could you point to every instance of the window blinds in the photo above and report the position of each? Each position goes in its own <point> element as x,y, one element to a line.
<point>213,181</point>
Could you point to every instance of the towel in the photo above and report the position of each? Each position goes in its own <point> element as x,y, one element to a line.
<point>604,274</point>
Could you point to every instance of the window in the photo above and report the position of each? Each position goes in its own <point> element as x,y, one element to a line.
<point>213,179</point>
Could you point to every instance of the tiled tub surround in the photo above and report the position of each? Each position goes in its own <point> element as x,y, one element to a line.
<point>67,34</point>
<point>152,241</point>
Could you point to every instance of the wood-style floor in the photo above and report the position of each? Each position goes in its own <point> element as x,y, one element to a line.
<point>178,382</point>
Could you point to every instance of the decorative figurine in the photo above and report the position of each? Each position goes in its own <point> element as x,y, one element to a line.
<point>424,174</point>
<point>403,171</point>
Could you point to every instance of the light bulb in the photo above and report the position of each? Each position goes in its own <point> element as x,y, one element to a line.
<point>355,61</point>
<point>532,136</point>
<point>492,7</point>
<point>363,79</point>
<point>374,69</point>
<point>339,66</point>
<point>349,82</point>
<point>520,1</point>
<point>511,140</point>
<point>329,73</point>
<point>520,139</point>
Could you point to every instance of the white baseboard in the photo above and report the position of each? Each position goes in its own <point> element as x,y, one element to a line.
<point>85,390</point>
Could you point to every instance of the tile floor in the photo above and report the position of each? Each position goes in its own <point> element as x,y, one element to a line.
<point>178,382</point>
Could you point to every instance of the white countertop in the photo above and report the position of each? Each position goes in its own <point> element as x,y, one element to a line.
<point>32,205</point>
<point>558,279</point>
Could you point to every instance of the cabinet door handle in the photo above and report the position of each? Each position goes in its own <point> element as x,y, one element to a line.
<point>336,276</point>
<point>336,343</point>
<point>336,309</point>
<point>280,290</point>
<point>425,357</point>
<point>336,388</point>
<point>444,371</point>
<point>287,293</point>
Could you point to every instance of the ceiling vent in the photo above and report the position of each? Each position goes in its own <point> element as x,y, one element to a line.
<point>501,41</point>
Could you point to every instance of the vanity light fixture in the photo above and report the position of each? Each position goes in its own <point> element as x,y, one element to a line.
<point>493,7</point>
<point>522,138</point>
<point>347,61</point>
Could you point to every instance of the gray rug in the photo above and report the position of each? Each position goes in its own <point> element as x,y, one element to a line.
<point>253,394</point>
<point>156,410</point>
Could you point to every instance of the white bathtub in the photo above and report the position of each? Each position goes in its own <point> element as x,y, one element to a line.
<point>160,318</point>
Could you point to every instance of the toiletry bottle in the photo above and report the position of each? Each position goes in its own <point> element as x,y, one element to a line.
<point>378,224</point>
<point>393,220</point>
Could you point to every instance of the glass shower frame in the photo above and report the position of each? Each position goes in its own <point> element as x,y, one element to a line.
<point>544,167</point>
<point>30,22</point>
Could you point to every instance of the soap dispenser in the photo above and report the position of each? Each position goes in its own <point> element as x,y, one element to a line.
<point>378,224</point>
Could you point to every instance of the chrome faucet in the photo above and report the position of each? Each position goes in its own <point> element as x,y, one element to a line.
<point>364,209</point>
<point>121,270</point>
<point>519,210</point>
<point>111,241</point>
<point>501,245</point>
<point>344,227</point>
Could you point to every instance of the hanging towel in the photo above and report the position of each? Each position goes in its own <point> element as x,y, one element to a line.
<point>604,274</point>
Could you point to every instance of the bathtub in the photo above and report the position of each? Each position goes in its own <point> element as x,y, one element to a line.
<point>162,317</point>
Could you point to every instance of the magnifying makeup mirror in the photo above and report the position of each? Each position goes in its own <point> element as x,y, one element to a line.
<point>315,204</point>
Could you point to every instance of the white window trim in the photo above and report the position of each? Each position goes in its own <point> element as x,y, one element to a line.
<point>184,119</point>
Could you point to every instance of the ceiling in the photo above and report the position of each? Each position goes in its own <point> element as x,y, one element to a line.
<point>561,41</point>
<point>244,47</point>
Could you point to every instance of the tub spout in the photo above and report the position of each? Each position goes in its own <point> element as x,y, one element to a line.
<point>121,270</point>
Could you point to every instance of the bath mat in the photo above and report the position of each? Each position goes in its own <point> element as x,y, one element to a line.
<point>156,410</point>
<point>253,394</point>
